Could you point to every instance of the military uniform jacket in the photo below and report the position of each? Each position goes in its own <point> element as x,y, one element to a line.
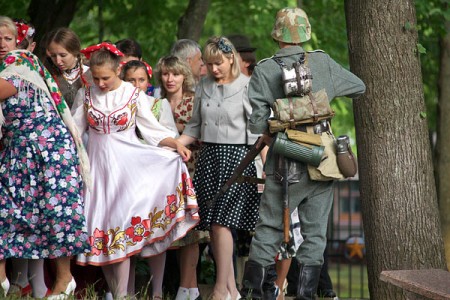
<point>266,83</point>
<point>221,112</point>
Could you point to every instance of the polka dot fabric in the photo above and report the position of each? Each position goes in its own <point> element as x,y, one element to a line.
<point>238,207</point>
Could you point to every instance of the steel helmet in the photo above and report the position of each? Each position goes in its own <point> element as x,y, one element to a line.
<point>291,26</point>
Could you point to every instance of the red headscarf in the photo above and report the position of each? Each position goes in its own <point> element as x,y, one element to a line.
<point>23,30</point>
<point>110,47</point>
<point>147,67</point>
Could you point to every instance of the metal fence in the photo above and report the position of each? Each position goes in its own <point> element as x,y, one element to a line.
<point>345,248</point>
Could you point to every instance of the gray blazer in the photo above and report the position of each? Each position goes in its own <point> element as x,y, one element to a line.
<point>221,112</point>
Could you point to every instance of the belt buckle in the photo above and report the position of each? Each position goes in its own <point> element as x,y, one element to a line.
<point>317,128</point>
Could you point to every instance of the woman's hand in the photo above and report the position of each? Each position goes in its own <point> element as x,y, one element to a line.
<point>184,152</point>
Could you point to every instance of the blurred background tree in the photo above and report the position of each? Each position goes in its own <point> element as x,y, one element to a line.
<point>154,24</point>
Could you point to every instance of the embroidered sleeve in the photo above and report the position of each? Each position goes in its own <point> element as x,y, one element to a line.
<point>150,129</point>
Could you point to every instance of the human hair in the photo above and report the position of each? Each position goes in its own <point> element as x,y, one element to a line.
<point>249,57</point>
<point>65,37</point>
<point>129,47</point>
<point>9,24</point>
<point>175,64</point>
<point>218,46</point>
<point>29,35</point>
<point>102,57</point>
<point>133,65</point>
<point>185,49</point>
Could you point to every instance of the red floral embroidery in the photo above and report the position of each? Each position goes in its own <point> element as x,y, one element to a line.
<point>98,242</point>
<point>56,97</point>
<point>171,208</point>
<point>188,187</point>
<point>93,122</point>
<point>121,119</point>
<point>10,59</point>
<point>139,230</point>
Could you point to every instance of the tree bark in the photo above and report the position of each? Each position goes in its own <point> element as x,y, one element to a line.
<point>443,142</point>
<point>398,194</point>
<point>47,15</point>
<point>190,25</point>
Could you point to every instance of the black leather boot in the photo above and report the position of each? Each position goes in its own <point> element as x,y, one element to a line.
<point>270,290</point>
<point>307,282</point>
<point>259,282</point>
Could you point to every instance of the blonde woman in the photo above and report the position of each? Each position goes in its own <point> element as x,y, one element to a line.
<point>219,120</point>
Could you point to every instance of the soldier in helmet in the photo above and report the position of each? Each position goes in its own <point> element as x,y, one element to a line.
<point>312,198</point>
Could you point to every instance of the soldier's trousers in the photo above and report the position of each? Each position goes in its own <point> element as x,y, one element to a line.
<point>313,200</point>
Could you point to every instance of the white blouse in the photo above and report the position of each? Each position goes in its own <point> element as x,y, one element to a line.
<point>107,102</point>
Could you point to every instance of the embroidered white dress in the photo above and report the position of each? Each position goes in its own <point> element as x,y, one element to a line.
<point>142,195</point>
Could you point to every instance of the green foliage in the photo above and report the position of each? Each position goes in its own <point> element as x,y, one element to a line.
<point>423,115</point>
<point>408,26</point>
<point>15,9</point>
<point>421,49</point>
<point>208,273</point>
<point>431,16</point>
<point>154,24</point>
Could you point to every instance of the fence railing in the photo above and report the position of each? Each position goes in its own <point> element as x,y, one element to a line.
<point>345,248</point>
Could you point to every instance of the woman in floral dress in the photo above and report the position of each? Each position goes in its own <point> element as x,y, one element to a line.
<point>41,198</point>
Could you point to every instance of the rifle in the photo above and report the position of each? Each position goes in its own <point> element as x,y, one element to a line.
<point>237,174</point>
<point>287,248</point>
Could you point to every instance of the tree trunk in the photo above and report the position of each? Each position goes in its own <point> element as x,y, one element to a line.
<point>190,25</point>
<point>443,142</point>
<point>47,15</point>
<point>398,194</point>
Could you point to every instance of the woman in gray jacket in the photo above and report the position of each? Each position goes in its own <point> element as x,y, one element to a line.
<point>220,122</point>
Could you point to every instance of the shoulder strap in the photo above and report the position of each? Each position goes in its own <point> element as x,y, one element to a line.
<point>317,50</point>
<point>265,59</point>
<point>279,62</point>
<point>301,60</point>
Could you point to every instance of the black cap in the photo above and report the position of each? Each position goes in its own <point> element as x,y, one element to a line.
<point>241,43</point>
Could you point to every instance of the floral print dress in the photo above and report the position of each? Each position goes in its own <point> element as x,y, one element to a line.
<point>142,198</point>
<point>41,191</point>
<point>182,114</point>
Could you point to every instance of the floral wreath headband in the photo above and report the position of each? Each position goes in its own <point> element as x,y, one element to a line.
<point>108,46</point>
<point>224,46</point>
<point>23,30</point>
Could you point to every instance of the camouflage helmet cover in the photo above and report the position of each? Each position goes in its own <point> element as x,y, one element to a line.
<point>291,26</point>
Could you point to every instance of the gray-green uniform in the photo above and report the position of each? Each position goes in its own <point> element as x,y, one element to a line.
<point>312,198</point>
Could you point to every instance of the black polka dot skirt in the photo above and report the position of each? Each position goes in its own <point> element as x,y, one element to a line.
<point>238,207</point>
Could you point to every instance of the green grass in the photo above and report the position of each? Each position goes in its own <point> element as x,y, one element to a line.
<point>349,280</point>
